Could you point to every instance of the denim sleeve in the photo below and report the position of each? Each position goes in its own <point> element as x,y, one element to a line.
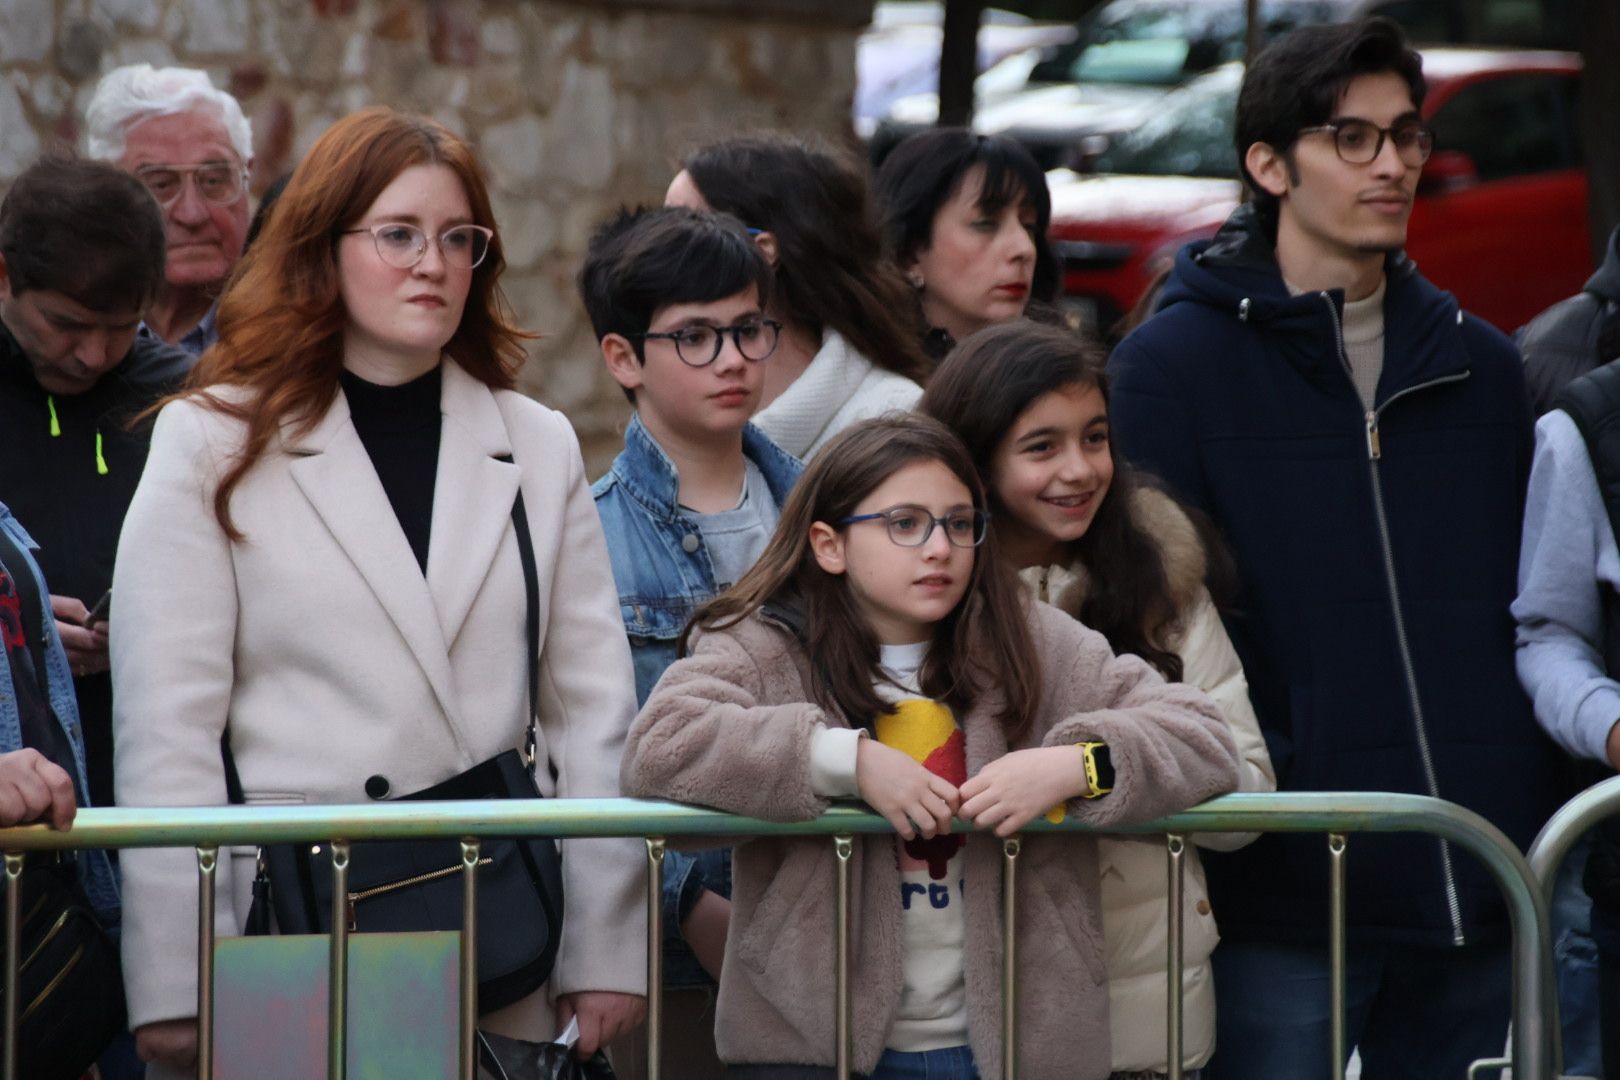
<point>683,882</point>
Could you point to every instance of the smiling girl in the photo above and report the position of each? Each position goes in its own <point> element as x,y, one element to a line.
<point>881,650</point>
<point>1031,403</point>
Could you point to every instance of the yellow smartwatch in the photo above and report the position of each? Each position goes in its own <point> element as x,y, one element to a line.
<point>1099,768</point>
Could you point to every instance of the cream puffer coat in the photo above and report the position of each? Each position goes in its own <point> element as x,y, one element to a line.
<point>1135,889</point>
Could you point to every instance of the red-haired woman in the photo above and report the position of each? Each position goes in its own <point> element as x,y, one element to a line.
<point>321,561</point>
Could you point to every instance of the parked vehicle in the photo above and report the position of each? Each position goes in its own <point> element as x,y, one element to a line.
<point>898,55</point>
<point>1124,56</point>
<point>1500,217</point>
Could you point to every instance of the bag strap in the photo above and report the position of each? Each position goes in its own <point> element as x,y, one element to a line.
<point>531,593</point>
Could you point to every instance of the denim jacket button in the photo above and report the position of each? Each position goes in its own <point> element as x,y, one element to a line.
<point>689,543</point>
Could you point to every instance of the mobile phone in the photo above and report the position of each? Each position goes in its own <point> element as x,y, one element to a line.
<point>101,611</point>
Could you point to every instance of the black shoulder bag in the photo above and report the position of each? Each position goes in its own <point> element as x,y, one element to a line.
<point>70,1001</point>
<point>407,885</point>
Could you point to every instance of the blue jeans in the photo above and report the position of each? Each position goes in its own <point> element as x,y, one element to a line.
<point>1417,1013</point>
<point>1576,958</point>
<point>951,1063</point>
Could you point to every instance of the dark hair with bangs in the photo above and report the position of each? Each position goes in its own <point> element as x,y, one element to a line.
<point>982,388</point>
<point>927,169</point>
<point>1296,82</point>
<point>85,229</point>
<point>649,258</point>
<point>983,645</point>
<point>831,269</point>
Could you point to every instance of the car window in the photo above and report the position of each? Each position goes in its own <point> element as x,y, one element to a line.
<point>1513,125</point>
<point>1424,20</point>
<point>1189,134</point>
<point>1164,42</point>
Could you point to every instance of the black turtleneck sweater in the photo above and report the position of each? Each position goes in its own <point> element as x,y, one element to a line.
<point>399,427</point>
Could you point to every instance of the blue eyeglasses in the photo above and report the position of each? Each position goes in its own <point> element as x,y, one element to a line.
<point>911,526</point>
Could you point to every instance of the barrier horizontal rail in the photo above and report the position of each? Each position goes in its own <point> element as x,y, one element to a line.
<point>1534,1053</point>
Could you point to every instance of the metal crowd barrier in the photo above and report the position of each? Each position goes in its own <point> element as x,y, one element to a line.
<point>1533,1055</point>
<point>1572,821</point>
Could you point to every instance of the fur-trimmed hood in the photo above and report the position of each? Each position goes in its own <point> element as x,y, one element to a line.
<point>1180,547</point>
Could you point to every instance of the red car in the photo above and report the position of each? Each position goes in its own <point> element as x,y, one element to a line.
<point>1500,217</point>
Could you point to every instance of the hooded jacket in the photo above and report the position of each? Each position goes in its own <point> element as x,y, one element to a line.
<point>1377,552</point>
<point>68,467</point>
<point>1565,341</point>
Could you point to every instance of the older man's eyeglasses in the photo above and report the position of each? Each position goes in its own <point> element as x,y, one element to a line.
<point>219,182</point>
<point>402,246</point>
<point>1359,141</point>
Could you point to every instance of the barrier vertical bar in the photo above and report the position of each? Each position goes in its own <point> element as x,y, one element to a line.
<point>14,869</point>
<point>1176,852</point>
<point>469,958</point>
<point>844,848</point>
<point>1010,848</point>
<point>655,954</point>
<point>1336,845</point>
<point>337,1016</point>
<point>207,886</point>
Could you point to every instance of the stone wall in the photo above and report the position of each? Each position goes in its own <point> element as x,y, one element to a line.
<point>575,107</point>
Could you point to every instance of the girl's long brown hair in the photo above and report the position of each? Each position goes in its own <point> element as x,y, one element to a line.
<point>983,645</point>
<point>980,391</point>
<point>281,319</point>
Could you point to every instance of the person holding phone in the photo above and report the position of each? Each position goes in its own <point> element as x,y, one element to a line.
<point>322,565</point>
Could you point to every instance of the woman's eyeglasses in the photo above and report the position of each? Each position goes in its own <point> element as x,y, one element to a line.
<point>402,246</point>
<point>911,526</point>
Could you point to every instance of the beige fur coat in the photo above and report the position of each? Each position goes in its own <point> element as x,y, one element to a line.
<point>1134,888</point>
<point>730,726</point>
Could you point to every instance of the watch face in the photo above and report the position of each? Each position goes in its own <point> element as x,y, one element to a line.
<point>1105,767</point>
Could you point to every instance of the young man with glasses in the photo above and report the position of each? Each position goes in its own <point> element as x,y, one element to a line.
<point>189,143</point>
<point>1363,446</point>
<point>677,298</point>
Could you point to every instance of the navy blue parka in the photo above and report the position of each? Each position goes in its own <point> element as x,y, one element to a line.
<point>1377,554</point>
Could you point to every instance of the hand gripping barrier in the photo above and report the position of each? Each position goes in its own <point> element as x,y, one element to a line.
<point>1534,1051</point>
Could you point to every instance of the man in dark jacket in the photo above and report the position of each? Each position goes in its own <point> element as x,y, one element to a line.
<point>1364,447</point>
<point>81,257</point>
<point>1574,335</point>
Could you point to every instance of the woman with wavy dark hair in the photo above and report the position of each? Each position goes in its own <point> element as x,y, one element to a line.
<point>848,348</point>
<point>1031,403</point>
<point>322,566</point>
<point>965,217</point>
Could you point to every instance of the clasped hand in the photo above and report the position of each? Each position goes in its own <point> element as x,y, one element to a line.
<point>1005,795</point>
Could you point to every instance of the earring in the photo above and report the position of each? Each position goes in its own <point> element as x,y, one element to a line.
<point>915,277</point>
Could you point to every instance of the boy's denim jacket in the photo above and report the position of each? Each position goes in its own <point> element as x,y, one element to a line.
<point>95,869</point>
<point>663,572</point>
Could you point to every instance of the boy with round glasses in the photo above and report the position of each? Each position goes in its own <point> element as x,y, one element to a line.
<point>677,298</point>
<point>1363,445</point>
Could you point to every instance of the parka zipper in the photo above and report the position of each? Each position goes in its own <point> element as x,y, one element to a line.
<point>1375,453</point>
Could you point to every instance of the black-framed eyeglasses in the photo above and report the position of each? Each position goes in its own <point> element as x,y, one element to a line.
<point>1360,141</point>
<point>911,526</point>
<point>222,183</point>
<point>402,246</point>
<point>699,345</point>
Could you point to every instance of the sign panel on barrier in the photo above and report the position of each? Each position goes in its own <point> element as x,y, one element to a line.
<point>270,1006</point>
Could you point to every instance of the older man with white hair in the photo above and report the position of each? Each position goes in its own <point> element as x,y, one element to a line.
<point>189,142</point>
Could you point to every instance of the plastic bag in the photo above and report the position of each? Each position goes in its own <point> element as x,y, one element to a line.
<point>545,1061</point>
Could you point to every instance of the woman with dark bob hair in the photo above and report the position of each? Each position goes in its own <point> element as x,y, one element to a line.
<point>1031,403</point>
<point>848,348</point>
<point>322,566</point>
<point>965,217</point>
